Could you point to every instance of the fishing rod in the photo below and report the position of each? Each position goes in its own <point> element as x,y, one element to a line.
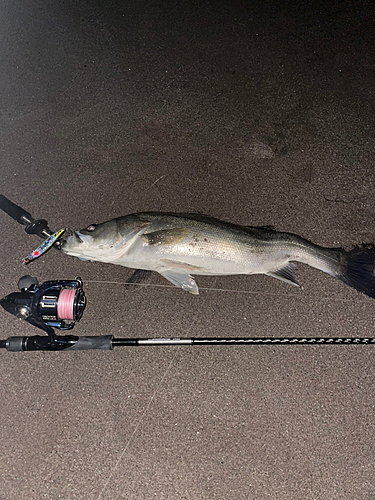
<point>60,304</point>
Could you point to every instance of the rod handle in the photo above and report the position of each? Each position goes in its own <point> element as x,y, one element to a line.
<point>16,212</point>
<point>63,343</point>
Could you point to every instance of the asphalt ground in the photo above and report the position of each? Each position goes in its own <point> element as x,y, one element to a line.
<point>255,113</point>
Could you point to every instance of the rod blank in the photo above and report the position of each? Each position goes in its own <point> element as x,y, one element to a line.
<point>107,342</point>
<point>245,341</point>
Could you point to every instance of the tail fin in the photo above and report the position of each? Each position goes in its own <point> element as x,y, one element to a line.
<point>359,270</point>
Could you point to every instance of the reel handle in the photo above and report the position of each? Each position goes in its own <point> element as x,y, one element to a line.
<point>38,227</point>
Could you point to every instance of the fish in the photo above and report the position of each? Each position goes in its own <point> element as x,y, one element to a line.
<point>182,245</point>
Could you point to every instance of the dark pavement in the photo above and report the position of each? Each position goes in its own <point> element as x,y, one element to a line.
<point>259,114</point>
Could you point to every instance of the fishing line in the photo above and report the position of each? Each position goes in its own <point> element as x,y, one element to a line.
<point>65,305</point>
<point>208,289</point>
<point>174,287</point>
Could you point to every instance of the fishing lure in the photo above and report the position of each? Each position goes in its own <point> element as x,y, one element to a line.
<point>46,245</point>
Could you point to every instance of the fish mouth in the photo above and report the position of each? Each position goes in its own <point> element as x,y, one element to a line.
<point>76,236</point>
<point>70,239</point>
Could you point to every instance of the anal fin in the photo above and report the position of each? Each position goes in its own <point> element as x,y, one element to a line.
<point>285,274</point>
<point>181,279</point>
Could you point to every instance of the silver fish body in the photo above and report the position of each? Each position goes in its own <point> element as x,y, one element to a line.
<point>181,245</point>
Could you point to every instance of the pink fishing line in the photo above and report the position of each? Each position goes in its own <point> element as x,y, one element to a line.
<point>65,303</point>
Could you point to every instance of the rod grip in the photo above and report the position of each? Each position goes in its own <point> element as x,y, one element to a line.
<point>43,343</point>
<point>16,212</point>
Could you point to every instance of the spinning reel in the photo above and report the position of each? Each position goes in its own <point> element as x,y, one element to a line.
<point>58,304</point>
<point>54,304</point>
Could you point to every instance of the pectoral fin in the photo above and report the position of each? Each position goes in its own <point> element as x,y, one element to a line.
<point>181,279</point>
<point>285,274</point>
<point>165,236</point>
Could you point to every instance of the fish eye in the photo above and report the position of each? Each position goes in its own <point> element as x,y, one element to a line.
<point>91,227</point>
